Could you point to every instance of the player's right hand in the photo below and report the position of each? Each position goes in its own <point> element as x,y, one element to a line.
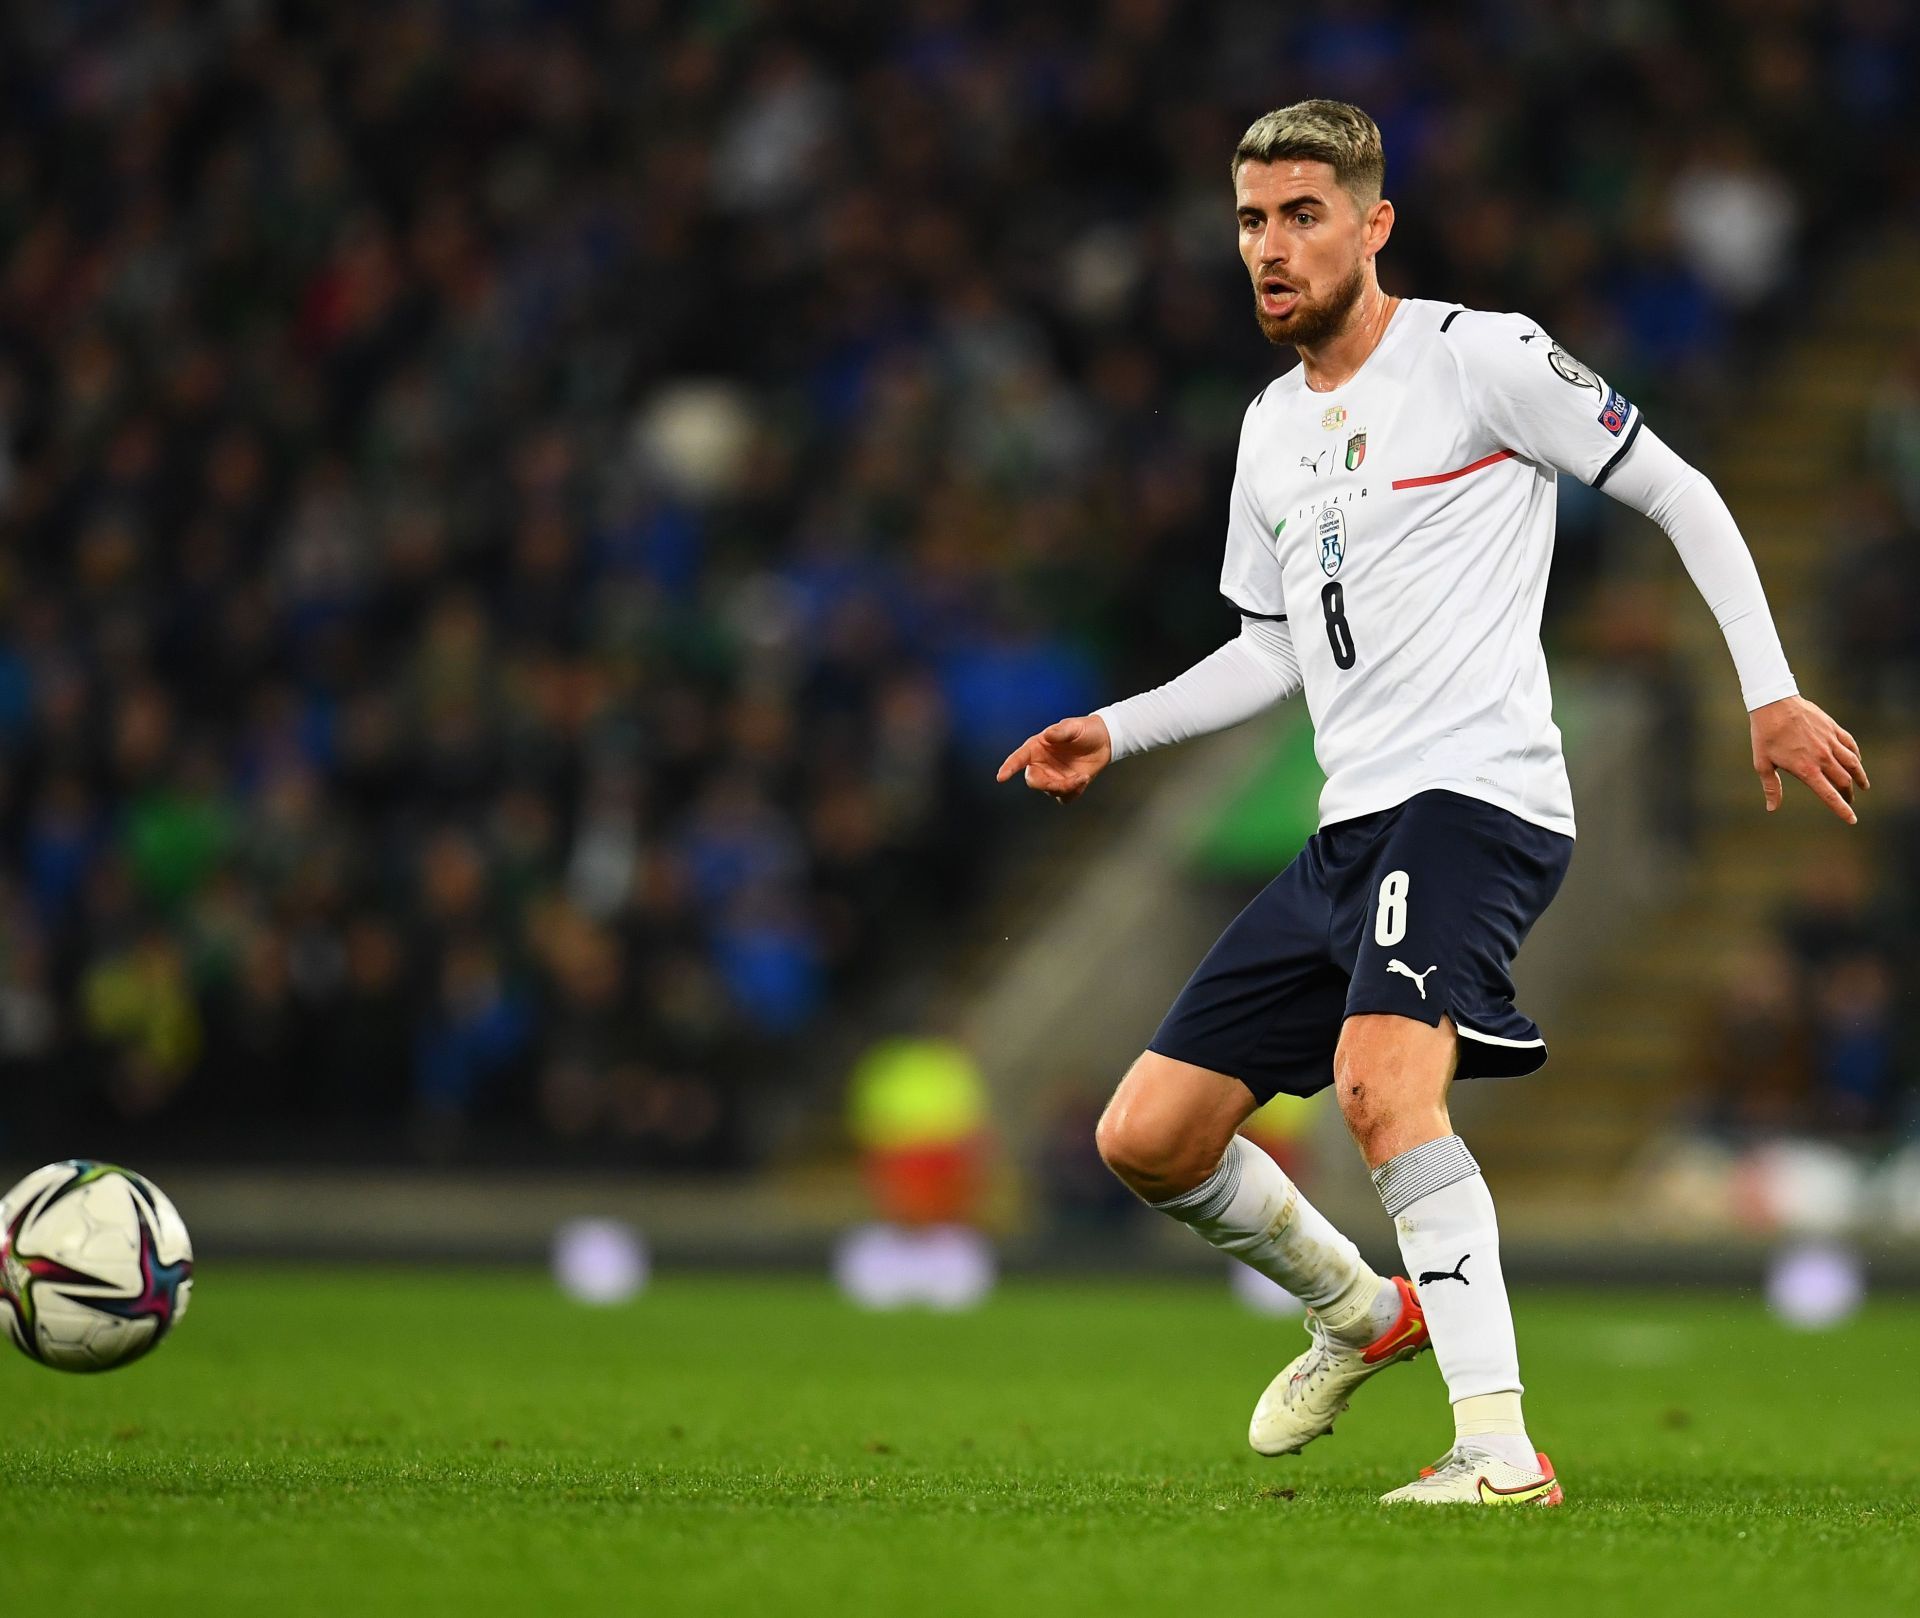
<point>1063,759</point>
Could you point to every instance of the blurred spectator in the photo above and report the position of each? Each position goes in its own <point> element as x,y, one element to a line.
<point>1809,1035</point>
<point>1753,1056</point>
<point>1734,219</point>
<point>139,1008</point>
<point>478,1026</point>
<point>1083,1196</point>
<point>1630,629</point>
<point>1893,433</point>
<point>1832,915</point>
<point>1856,1043</point>
<point>364,1064</point>
<point>1873,599</point>
<point>918,1111</point>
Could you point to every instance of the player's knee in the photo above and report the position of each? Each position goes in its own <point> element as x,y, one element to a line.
<point>1364,1103</point>
<point>1154,1160</point>
<point>1126,1146</point>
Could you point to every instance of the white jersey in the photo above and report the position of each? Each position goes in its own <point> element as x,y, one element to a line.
<point>1403,526</point>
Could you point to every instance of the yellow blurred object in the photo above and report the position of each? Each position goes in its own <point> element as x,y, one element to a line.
<point>140,999</point>
<point>1283,1129</point>
<point>918,1110</point>
<point>1285,1118</point>
<point>910,1093</point>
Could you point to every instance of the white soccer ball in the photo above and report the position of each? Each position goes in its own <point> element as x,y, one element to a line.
<point>95,1266</point>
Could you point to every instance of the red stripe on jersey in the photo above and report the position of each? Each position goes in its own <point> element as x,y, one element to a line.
<point>1448,477</point>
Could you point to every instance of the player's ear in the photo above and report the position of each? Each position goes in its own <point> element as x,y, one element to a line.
<point>1379,226</point>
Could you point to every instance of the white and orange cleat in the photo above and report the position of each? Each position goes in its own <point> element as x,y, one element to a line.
<point>1466,1476</point>
<point>1301,1402</point>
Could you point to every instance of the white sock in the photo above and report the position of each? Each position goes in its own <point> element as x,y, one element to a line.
<point>1450,1240</point>
<point>1249,1208</point>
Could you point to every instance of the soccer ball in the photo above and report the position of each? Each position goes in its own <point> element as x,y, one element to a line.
<point>95,1266</point>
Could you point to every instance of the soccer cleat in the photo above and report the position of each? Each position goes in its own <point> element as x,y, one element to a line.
<point>1466,1476</point>
<point>1301,1402</point>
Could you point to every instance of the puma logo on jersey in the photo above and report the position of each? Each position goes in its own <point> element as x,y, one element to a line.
<point>1448,1275</point>
<point>1312,462</point>
<point>1419,978</point>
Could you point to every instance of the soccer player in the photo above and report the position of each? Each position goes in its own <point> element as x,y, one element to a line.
<point>1388,538</point>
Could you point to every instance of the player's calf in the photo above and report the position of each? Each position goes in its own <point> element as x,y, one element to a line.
<point>1164,1120</point>
<point>1392,1073</point>
<point>1450,1239</point>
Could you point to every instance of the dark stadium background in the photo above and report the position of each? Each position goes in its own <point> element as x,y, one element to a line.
<point>525,528</point>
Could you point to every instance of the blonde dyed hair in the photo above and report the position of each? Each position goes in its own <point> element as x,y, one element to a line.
<point>1330,132</point>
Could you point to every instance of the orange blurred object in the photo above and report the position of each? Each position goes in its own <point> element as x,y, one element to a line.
<point>929,1185</point>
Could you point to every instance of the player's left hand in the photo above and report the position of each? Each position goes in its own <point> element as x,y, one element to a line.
<point>1794,735</point>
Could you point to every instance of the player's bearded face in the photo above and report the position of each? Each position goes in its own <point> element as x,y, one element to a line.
<point>1305,242</point>
<point>1311,319</point>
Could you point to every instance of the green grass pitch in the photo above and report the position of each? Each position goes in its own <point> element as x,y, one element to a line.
<point>383,1442</point>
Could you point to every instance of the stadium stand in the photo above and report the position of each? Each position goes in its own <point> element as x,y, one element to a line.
<point>514,551</point>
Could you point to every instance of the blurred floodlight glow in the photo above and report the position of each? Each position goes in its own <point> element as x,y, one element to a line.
<point>1815,1285</point>
<point>1810,1188</point>
<point>890,1267</point>
<point>957,1268</point>
<point>874,1267</point>
<point>1262,1296</point>
<point>599,1261</point>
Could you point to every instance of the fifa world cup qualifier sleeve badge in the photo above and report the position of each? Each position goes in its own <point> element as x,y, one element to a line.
<point>1570,370</point>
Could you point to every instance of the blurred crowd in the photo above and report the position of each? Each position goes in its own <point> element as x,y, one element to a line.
<point>524,527</point>
<point>1814,1034</point>
<point>1818,1030</point>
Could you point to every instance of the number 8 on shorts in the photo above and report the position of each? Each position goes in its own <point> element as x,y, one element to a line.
<point>1390,918</point>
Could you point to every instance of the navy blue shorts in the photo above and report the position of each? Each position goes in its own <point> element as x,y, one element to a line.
<point>1417,911</point>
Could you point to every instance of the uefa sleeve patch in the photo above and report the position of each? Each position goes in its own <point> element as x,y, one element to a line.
<point>1614,413</point>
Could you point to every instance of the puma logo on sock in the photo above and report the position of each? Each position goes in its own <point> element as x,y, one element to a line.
<point>1419,978</point>
<point>1452,1274</point>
